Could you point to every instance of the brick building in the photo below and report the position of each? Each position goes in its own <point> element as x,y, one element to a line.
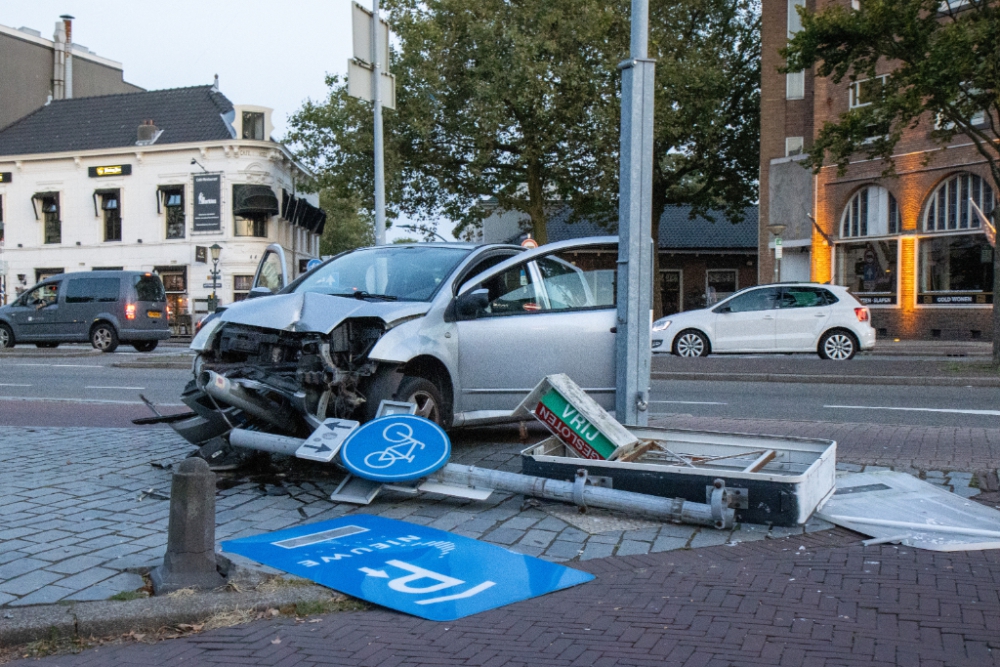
<point>910,247</point>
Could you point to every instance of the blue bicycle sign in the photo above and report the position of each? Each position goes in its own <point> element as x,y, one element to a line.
<point>397,448</point>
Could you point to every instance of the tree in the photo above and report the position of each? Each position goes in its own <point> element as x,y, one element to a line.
<point>347,226</point>
<point>946,70</point>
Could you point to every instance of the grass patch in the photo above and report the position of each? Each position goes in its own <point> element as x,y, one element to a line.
<point>281,583</point>
<point>315,607</point>
<point>125,596</point>
<point>52,645</point>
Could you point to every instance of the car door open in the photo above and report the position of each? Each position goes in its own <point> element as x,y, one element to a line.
<point>552,314</point>
<point>272,273</point>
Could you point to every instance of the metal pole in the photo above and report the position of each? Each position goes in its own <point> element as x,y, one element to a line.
<point>377,104</point>
<point>635,211</point>
<point>215,282</point>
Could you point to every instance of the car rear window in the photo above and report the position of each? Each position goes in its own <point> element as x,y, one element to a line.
<point>92,290</point>
<point>149,288</point>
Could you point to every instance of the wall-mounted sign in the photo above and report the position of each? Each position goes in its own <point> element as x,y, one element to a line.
<point>207,202</point>
<point>201,254</point>
<point>110,170</point>
<point>5,177</point>
<point>956,299</point>
<point>876,299</point>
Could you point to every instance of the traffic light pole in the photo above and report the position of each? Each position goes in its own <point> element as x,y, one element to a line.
<point>635,212</point>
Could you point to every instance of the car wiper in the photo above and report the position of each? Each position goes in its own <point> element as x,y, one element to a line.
<point>361,294</point>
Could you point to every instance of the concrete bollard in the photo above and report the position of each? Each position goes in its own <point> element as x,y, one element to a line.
<point>190,558</point>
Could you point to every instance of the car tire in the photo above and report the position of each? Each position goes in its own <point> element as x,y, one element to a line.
<point>427,397</point>
<point>145,345</point>
<point>47,345</point>
<point>104,337</point>
<point>838,345</point>
<point>6,336</point>
<point>691,343</point>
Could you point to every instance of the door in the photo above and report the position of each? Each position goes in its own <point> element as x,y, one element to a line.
<point>802,315</point>
<point>746,323</point>
<point>272,271</point>
<point>36,315</point>
<point>85,298</point>
<point>551,315</point>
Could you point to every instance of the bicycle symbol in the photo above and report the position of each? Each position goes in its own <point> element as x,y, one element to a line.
<point>401,435</point>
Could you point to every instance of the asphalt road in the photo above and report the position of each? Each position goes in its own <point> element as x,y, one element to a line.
<point>90,391</point>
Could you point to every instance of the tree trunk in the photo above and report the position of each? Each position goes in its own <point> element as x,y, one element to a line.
<point>536,203</point>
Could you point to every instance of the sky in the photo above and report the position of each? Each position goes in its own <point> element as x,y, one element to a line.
<point>266,52</point>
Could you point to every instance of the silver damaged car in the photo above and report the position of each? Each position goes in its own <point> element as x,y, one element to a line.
<point>463,331</point>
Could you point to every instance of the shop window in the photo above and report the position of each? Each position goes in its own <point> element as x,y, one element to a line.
<point>872,211</point>
<point>174,281</point>
<point>948,207</point>
<point>112,213</point>
<point>173,206</point>
<point>253,125</point>
<point>870,270</point>
<point>955,270</point>
<point>241,287</point>
<point>253,226</point>
<point>719,284</point>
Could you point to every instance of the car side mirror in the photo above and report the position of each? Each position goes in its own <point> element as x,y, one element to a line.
<point>258,292</point>
<point>471,304</point>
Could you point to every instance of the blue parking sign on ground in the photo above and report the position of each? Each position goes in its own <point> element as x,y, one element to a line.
<point>397,448</point>
<point>414,569</point>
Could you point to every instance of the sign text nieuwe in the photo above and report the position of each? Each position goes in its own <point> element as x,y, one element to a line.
<point>207,202</point>
<point>110,170</point>
<point>573,428</point>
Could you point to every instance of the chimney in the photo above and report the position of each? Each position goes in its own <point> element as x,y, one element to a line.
<point>59,62</point>
<point>68,26</point>
<point>147,133</point>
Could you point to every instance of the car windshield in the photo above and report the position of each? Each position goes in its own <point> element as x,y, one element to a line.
<point>403,273</point>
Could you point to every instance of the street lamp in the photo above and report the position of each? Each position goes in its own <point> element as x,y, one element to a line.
<point>214,301</point>
<point>777,230</point>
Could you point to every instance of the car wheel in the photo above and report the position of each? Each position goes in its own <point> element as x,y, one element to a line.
<point>47,345</point>
<point>838,345</point>
<point>104,338</point>
<point>691,343</point>
<point>425,395</point>
<point>6,336</point>
<point>145,345</point>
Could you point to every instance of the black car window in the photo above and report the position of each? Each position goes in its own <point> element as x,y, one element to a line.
<point>149,288</point>
<point>90,290</point>
<point>760,299</point>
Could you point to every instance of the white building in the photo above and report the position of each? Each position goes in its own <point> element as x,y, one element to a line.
<point>149,181</point>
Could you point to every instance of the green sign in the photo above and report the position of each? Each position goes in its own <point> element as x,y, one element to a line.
<point>572,427</point>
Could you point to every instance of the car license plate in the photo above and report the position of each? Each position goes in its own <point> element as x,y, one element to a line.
<point>154,313</point>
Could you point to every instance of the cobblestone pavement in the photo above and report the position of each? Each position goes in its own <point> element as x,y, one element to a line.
<point>83,511</point>
<point>818,600</point>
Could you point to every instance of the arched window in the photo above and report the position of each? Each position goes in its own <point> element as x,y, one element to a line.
<point>872,211</point>
<point>948,207</point>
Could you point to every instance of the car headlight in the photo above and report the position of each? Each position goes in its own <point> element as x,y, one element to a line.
<point>203,340</point>
<point>661,325</point>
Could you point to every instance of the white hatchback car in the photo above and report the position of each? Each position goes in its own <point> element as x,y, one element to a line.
<point>799,317</point>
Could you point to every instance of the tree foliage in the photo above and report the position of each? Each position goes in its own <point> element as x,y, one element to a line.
<point>519,100</point>
<point>348,226</point>
<point>945,69</point>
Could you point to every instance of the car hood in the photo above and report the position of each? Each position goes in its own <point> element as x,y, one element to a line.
<point>312,312</point>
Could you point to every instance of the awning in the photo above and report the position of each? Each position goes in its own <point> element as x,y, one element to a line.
<point>39,196</point>
<point>301,213</point>
<point>104,192</point>
<point>254,200</point>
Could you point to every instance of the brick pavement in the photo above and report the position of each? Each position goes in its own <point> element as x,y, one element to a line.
<point>821,600</point>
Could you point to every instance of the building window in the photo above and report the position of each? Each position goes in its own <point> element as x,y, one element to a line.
<point>50,214</point>
<point>671,291</point>
<point>719,284</point>
<point>795,82</point>
<point>863,93</point>
<point>872,211</point>
<point>175,285</point>
<point>948,208</point>
<point>241,287</point>
<point>869,269</point>
<point>112,213</point>
<point>253,125</point>
<point>955,270</point>
<point>1,219</point>
<point>793,146</point>
<point>251,226</point>
<point>173,206</point>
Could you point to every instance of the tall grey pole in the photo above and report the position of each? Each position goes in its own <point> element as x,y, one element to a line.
<point>377,51</point>
<point>635,212</point>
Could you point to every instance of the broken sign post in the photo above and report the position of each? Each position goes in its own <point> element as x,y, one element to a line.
<point>398,448</point>
<point>414,569</point>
